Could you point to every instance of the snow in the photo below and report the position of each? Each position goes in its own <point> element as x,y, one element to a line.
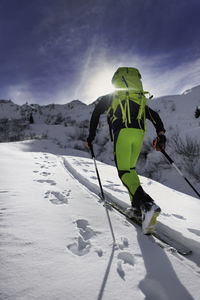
<point>67,125</point>
<point>56,241</point>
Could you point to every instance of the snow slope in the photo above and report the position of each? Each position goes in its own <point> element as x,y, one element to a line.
<point>56,241</point>
<point>180,211</point>
<point>68,126</point>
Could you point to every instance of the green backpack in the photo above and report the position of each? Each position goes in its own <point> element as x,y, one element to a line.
<point>128,87</point>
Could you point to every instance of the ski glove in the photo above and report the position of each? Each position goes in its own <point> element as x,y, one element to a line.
<point>89,143</point>
<point>159,142</point>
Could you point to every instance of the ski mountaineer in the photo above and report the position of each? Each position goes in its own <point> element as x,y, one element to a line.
<point>127,113</point>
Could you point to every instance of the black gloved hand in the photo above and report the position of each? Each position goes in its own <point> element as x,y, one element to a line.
<point>159,142</point>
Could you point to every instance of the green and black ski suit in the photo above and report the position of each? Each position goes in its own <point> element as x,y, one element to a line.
<point>128,141</point>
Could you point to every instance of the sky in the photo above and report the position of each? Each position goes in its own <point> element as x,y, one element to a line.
<point>59,51</point>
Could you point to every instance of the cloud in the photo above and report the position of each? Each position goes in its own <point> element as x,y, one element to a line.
<point>19,93</point>
<point>91,77</point>
<point>162,80</point>
<point>158,77</point>
<point>71,51</point>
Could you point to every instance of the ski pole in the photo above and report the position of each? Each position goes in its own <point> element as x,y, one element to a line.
<point>97,172</point>
<point>179,171</point>
<point>102,193</point>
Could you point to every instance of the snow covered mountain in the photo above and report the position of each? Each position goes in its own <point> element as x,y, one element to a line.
<point>67,125</point>
<point>56,242</point>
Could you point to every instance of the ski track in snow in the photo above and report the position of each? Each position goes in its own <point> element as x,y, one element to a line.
<point>179,217</point>
<point>123,259</point>
<point>174,215</point>
<point>83,243</point>
<point>112,186</point>
<point>195,231</point>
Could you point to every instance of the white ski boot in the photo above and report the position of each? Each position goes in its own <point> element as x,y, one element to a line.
<point>150,212</point>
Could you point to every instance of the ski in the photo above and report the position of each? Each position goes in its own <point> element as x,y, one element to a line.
<point>160,238</point>
<point>174,244</point>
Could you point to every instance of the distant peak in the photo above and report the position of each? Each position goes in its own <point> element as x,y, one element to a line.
<point>5,101</point>
<point>77,102</point>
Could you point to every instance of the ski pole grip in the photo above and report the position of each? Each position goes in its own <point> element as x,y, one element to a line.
<point>167,156</point>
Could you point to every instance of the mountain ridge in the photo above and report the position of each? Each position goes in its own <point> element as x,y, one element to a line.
<point>68,126</point>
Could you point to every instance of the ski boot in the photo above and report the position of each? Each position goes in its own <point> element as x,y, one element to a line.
<point>134,212</point>
<point>150,212</point>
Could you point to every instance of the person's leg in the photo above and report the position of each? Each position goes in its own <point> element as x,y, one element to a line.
<point>127,146</point>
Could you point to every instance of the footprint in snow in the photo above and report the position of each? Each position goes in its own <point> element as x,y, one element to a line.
<point>86,163</point>
<point>112,187</point>
<point>81,247</point>
<point>124,258</point>
<point>46,162</point>
<point>149,182</point>
<point>165,215</point>
<point>57,197</point>
<point>179,217</point>
<point>120,270</point>
<point>51,182</point>
<point>83,244</point>
<point>44,167</point>
<point>99,252</point>
<point>124,244</point>
<point>85,231</point>
<point>87,170</point>
<point>45,173</point>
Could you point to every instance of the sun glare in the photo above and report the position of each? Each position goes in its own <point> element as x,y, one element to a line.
<point>100,84</point>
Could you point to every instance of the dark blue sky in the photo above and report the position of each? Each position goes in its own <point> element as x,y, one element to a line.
<point>57,51</point>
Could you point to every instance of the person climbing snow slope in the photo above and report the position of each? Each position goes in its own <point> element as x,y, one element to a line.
<point>127,112</point>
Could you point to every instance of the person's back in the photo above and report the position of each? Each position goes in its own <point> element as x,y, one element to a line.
<point>127,112</point>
